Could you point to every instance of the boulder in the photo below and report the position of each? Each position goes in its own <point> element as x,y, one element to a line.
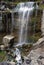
<point>8,40</point>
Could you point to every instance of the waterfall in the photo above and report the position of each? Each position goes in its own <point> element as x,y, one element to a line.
<point>24,11</point>
<point>18,55</point>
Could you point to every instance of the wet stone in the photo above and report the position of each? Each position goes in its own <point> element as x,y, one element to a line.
<point>41,57</point>
<point>28,61</point>
<point>4,63</point>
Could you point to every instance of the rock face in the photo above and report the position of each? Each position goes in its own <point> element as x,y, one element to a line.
<point>8,40</point>
<point>42,24</point>
<point>37,55</point>
<point>4,63</point>
<point>7,63</point>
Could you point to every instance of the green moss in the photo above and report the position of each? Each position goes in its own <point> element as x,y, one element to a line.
<point>41,6</point>
<point>25,49</point>
<point>2,56</point>
<point>33,38</point>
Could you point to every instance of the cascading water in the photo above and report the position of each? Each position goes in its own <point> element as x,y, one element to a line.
<point>24,11</point>
<point>18,57</point>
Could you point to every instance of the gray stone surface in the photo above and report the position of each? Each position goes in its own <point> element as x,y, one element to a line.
<point>37,55</point>
<point>7,63</point>
<point>42,24</point>
<point>7,39</point>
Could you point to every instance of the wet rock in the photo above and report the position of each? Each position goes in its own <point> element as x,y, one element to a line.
<point>7,63</point>
<point>37,54</point>
<point>41,57</point>
<point>4,63</point>
<point>28,61</point>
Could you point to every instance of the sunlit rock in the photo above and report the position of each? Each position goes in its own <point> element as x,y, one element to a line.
<point>2,47</point>
<point>8,40</point>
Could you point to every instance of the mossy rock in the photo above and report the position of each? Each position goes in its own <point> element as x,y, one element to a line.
<point>2,56</point>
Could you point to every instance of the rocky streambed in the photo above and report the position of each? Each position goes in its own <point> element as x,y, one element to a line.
<point>35,56</point>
